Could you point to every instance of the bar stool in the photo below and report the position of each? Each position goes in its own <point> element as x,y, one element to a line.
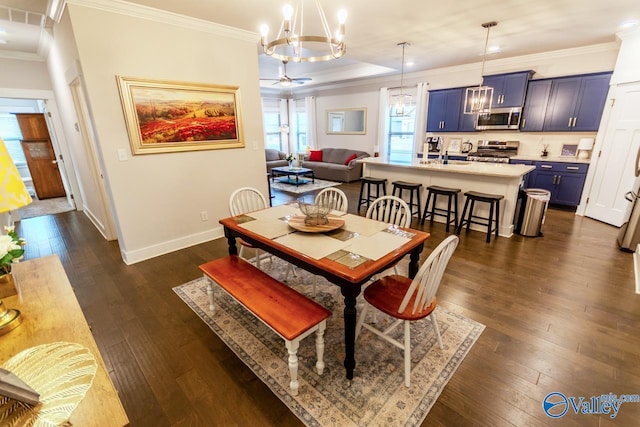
<point>494,206</point>
<point>368,181</point>
<point>452,195</point>
<point>412,187</point>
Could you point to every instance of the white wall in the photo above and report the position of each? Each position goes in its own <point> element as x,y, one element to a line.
<point>364,142</point>
<point>62,63</point>
<point>157,199</point>
<point>20,74</point>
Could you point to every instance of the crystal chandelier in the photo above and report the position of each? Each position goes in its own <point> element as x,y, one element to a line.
<point>478,99</point>
<point>401,103</point>
<point>294,45</point>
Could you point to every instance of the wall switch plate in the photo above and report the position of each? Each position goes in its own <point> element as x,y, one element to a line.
<point>204,216</point>
<point>122,155</point>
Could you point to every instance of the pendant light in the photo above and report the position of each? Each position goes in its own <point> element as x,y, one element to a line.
<point>401,103</point>
<point>478,99</point>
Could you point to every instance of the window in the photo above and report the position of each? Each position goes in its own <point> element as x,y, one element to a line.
<point>11,135</point>
<point>300,126</point>
<point>271,118</point>
<point>400,142</point>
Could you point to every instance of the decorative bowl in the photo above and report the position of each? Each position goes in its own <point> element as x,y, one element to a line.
<point>314,214</point>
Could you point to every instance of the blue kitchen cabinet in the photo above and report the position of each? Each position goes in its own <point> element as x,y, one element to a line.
<point>508,89</point>
<point>535,105</point>
<point>576,103</point>
<point>527,177</point>
<point>467,122</point>
<point>565,181</point>
<point>444,109</point>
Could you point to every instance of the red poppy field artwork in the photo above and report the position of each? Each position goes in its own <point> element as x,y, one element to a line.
<point>164,116</point>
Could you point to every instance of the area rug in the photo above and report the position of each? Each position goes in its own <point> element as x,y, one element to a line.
<point>319,184</point>
<point>377,395</point>
<point>45,207</point>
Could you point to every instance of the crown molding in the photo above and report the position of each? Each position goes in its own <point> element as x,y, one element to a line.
<point>56,8</point>
<point>144,12</point>
<point>493,66</point>
<point>21,56</point>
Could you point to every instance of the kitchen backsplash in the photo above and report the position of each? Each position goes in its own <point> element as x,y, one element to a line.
<point>531,143</point>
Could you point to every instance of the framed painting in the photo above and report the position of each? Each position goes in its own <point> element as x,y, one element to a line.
<point>163,116</point>
<point>569,150</point>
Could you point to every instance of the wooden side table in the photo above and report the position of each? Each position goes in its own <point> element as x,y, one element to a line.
<point>51,313</point>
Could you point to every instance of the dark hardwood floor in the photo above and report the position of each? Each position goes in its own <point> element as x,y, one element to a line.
<point>560,314</point>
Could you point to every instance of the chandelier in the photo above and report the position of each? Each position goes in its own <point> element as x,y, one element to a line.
<point>294,45</point>
<point>478,99</point>
<point>401,103</point>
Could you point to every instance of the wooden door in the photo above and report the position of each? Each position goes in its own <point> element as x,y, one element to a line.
<point>41,158</point>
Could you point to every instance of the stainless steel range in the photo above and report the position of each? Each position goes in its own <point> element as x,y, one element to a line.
<point>494,151</point>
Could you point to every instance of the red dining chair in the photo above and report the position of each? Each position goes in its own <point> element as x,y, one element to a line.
<point>408,300</point>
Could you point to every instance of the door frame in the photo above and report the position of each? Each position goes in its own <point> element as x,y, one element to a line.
<point>69,178</point>
<point>603,137</point>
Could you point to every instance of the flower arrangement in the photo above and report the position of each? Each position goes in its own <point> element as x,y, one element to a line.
<point>289,157</point>
<point>10,249</point>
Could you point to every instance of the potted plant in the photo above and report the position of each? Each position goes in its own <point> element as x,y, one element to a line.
<point>11,250</point>
<point>289,158</point>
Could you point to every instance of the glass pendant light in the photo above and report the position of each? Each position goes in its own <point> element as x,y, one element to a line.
<point>478,99</point>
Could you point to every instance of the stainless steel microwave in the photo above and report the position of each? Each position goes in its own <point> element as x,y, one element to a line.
<point>500,119</point>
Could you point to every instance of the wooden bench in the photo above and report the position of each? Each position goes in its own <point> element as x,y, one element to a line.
<point>288,313</point>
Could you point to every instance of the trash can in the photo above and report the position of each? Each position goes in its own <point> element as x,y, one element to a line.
<point>533,209</point>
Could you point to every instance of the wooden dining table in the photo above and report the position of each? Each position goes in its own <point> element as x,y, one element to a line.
<point>348,256</point>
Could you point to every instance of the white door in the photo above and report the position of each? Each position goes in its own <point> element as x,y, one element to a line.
<point>617,163</point>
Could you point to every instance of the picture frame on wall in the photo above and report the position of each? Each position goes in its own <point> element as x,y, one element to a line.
<point>569,150</point>
<point>169,116</point>
<point>454,145</point>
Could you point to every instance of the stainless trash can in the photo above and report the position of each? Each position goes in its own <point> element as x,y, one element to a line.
<point>535,206</point>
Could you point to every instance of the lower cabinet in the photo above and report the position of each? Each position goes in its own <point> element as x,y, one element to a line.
<point>527,177</point>
<point>565,181</point>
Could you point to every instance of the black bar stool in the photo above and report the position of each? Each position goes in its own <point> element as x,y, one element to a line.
<point>452,195</point>
<point>494,206</point>
<point>412,187</point>
<point>368,181</point>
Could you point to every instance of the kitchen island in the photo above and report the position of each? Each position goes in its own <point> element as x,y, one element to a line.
<point>493,178</point>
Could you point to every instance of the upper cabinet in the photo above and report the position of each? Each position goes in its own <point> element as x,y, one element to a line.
<point>535,106</point>
<point>444,110</point>
<point>508,89</point>
<point>576,103</point>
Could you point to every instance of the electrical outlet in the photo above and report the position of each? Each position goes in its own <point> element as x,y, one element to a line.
<point>204,216</point>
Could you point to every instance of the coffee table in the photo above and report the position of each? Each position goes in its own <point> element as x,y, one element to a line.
<point>290,173</point>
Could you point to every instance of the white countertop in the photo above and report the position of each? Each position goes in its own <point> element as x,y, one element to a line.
<point>501,170</point>
<point>532,157</point>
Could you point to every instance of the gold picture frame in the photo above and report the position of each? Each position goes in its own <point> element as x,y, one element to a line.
<point>168,116</point>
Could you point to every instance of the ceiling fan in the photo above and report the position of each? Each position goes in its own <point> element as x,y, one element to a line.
<point>285,80</point>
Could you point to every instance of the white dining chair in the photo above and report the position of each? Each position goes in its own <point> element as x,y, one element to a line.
<point>334,198</point>
<point>244,200</point>
<point>392,210</point>
<point>408,300</point>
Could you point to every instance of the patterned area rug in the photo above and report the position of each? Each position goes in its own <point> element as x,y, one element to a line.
<point>376,396</point>
<point>307,187</point>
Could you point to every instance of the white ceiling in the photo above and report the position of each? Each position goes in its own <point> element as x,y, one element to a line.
<point>440,33</point>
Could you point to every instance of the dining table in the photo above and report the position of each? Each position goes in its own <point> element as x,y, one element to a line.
<point>348,251</point>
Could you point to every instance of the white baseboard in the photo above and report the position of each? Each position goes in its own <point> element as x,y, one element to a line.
<point>132,257</point>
